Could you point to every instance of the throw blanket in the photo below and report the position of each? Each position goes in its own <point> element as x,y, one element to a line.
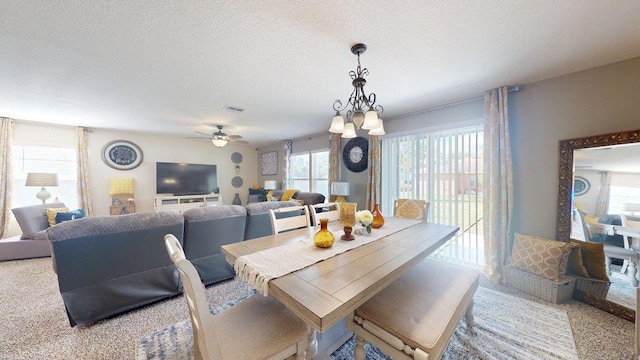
<point>259,268</point>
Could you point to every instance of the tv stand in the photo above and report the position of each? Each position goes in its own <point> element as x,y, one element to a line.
<point>185,202</point>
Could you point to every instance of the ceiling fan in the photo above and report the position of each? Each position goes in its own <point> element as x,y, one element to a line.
<point>221,139</point>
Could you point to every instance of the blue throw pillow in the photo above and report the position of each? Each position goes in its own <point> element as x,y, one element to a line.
<point>254,191</point>
<point>71,215</point>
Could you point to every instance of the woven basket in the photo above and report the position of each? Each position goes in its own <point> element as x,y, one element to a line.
<point>554,291</point>
<point>595,287</point>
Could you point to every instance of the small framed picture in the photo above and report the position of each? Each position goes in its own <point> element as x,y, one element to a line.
<point>122,155</point>
<point>269,163</point>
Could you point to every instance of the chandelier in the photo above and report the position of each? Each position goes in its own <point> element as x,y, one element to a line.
<point>363,111</point>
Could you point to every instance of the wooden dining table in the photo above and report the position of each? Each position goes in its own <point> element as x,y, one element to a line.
<point>325,293</point>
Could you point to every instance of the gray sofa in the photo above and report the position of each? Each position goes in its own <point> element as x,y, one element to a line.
<point>112,264</point>
<point>258,222</point>
<point>33,242</point>
<point>208,228</point>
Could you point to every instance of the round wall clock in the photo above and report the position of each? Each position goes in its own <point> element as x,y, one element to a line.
<point>356,154</point>
<point>580,186</point>
<point>122,155</point>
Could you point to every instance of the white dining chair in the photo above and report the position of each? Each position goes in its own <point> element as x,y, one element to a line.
<point>330,211</point>
<point>289,218</point>
<point>256,328</point>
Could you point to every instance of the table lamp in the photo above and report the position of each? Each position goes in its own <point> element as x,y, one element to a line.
<point>270,185</point>
<point>340,189</point>
<point>42,180</point>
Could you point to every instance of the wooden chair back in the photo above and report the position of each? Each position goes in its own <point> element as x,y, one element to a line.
<point>289,218</point>
<point>330,211</point>
<point>411,209</point>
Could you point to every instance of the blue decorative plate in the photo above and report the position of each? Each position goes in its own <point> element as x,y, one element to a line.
<point>236,181</point>
<point>236,157</point>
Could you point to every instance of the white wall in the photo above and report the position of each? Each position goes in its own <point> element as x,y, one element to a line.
<point>155,148</point>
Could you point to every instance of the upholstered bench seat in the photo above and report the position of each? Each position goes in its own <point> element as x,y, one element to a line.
<point>418,313</point>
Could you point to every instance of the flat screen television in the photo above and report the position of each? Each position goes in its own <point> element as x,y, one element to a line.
<point>185,179</point>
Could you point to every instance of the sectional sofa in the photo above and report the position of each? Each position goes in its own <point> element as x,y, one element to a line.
<point>112,264</point>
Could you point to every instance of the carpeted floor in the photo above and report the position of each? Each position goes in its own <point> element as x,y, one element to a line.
<point>539,332</point>
<point>621,290</point>
<point>35,325</point>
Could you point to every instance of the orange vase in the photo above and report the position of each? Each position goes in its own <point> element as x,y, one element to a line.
<point>378,219</point>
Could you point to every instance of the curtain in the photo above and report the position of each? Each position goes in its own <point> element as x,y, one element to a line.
<point>602,203</point>
<point>498,184</point>
<point>6,175</point>
<point>373,173</point>
<point>286,177</point>
<point>334,161</point>
<point>82,156</point>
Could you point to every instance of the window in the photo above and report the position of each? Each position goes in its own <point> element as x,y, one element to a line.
<point>310,171</point>
<point>61,161</point>
<point>445,169</point>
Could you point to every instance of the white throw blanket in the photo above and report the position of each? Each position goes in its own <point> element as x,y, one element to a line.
<point>259,268</point>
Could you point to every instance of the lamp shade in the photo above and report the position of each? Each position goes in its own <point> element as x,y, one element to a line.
<point>370,120</point>
<point>340,188</point>
<point>219,142</point>
<point>379,130</point>
<point>42,179</point>
<point>337,124</point>
<point>270,185</point>
<point>349,131</point>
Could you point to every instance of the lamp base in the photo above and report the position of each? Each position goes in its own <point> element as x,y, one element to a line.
<point>341,199</point>
<point>43,195</point>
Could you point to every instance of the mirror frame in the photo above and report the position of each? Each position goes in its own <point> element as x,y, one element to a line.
<point>565,189</point>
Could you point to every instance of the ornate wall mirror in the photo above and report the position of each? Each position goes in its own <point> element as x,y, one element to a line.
<point>596,159</point>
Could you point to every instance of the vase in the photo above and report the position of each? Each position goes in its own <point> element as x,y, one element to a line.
<point>324,238</point>
<point>236,200</point>
<point>378,219</point>
<point>348,219</point>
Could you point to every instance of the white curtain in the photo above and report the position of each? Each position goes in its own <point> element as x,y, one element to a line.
<point>602,203</point>
<point>286,178</point>
<point>498,184</point>
<point>6,128</point>
<point>82,156</point>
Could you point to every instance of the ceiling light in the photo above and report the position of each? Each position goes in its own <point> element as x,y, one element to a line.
<point>219,141</point>
<point>363,112</point>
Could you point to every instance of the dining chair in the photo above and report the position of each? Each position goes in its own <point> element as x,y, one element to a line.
<point>411,209</point>
<point>330,211</point>
<point>289,218</point>
<point>256,328</point>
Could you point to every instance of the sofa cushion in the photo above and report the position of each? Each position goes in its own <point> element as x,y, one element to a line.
<point>63,216</point>
<point>52,212</point>
<point>543,257</point>
<point>33,219</point>
<point>310,198</point>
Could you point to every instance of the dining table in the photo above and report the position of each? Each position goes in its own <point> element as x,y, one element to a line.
<point>325,292</point>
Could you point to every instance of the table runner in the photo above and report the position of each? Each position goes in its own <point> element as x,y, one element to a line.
<point>259,268</point>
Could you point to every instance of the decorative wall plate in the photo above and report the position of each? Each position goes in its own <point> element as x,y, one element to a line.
<point>356,154</point>
<point>236,181</point>
<point>122,155</point>
<point>580,186</point>
<point>236,157</point>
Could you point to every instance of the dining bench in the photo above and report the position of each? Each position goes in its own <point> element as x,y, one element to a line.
<point>415,316</point>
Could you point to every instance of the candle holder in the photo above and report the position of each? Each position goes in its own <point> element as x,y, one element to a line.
<point>348,219</point>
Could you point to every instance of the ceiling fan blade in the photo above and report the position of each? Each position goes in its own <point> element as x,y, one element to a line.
<point>239,141</point>
<point>198,138</point>
<point>199,132</point>
<point>234,137</point>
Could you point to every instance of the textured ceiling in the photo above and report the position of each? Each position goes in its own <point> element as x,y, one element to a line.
<point>170,66</point>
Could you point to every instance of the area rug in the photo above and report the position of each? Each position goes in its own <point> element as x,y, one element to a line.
<point>621,290</point>
<point>506,327</point>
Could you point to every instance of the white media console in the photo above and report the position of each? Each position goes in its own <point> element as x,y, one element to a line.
<point>182,203</point>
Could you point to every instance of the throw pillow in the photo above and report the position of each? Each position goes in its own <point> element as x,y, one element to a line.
<point>51,214</point>
<point>288,194</point>
<point>71,215</point>
<point>538,256</point>
<point>575,265</point>
<point>593,259</point>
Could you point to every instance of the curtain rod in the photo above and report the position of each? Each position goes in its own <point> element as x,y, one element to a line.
<point>448,104</point>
